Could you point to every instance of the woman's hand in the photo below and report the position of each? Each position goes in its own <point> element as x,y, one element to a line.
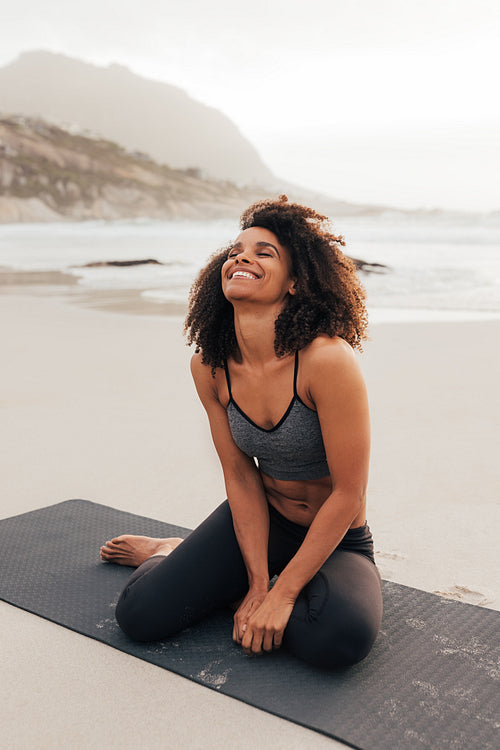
<point>250,604</point>
<point>266,624</point>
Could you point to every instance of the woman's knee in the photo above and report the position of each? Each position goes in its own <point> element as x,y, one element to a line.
<point>128,620</point>
<point>144,624</point>
<point>334,625</point>
<point>132,618</point>
<point>348,643</point>
<point>341,642</point>
<point>142,614</point>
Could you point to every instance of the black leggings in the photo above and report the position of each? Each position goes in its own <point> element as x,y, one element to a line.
<point>335,619</point>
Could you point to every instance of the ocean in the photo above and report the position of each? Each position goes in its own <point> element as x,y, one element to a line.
<point>438,268</point>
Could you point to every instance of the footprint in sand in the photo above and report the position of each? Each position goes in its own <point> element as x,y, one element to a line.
<point>464,594</point>
<point>391,555</point>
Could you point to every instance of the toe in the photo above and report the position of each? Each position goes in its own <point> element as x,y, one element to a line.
<point>107,551</point>
<point>114,545</point>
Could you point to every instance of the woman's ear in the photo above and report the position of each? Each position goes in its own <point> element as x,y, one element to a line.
<point>293,287</point>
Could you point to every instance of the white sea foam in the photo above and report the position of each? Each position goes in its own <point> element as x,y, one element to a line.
<point>438,269</point>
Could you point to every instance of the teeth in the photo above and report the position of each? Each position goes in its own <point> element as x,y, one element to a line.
<point>244,275</point>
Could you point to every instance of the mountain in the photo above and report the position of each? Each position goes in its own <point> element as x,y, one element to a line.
<point>148,117</point>
<point>139,114</point>
<point>50,174</point>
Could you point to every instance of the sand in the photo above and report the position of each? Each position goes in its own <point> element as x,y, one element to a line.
<point>100,405</point>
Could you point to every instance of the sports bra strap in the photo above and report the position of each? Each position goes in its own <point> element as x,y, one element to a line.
<point>228,379</point>
<point>295,373</point>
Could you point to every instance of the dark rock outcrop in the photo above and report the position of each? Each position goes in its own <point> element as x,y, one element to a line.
<point>119,263</point>
<point>366,267</point>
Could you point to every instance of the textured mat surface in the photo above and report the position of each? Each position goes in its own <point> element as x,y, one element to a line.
<point>430,682</point>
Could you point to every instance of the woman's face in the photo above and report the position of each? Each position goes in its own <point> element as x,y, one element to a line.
<point>258,269</point>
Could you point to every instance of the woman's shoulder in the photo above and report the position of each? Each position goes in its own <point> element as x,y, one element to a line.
<point>326,349</point>
<point>329,358</point>
<point>206,380</point>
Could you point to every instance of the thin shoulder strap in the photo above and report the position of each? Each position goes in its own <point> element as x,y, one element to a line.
<point>295,373</point>
<point>228,379</point>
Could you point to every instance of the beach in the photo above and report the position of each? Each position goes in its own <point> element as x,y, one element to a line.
<point>98,403</point>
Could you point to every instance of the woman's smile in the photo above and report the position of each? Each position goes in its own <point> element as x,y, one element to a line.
<point>257,255</point>
<point>238,273</point>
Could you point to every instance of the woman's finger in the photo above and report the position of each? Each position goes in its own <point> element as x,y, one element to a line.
<point>278,639</point>
<point>236,637</point>
<point>251,642</point>
<point>267,643</point>
<point>238,621</point>
<point>246,640</point>
<point>239,630</point>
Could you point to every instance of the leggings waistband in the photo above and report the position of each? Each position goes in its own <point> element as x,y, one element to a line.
<point>359,539</point>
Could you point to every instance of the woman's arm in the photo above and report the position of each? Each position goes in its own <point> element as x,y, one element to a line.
<point>337,389</point>
<point>245,493</point>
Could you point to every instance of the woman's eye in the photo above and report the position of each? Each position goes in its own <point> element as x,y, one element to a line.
<point>266,255</point>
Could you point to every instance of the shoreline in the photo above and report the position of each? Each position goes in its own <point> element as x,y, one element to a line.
<point>66,286</point>
<point>133,301</point>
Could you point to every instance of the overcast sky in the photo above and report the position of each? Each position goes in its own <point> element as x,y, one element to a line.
<point>381,101</point>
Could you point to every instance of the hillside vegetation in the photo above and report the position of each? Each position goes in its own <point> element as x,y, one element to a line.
<point>49,174</point>
<point>138,113</point>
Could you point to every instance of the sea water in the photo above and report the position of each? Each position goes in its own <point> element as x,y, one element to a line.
<point>437,267</point>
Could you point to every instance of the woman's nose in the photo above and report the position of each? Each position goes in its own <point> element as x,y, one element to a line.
<point>242,259</point>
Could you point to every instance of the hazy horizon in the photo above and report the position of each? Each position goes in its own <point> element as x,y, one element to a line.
<point>390,104</point>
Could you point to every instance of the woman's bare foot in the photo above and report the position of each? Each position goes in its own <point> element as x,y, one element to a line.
<point>134,550</point>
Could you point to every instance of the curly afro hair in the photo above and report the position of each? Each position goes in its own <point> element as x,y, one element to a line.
<point>329,297</point>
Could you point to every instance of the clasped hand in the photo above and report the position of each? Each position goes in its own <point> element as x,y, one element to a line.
<point>260,621</point>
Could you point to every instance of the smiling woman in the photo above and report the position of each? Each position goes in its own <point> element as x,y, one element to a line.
<point>329,299</point>
<point>253,258</point>
<point>274,317</point>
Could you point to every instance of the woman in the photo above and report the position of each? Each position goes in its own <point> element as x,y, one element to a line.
<point>274,317</point>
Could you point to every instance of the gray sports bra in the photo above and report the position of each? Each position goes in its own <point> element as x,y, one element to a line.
<point>291,450</point>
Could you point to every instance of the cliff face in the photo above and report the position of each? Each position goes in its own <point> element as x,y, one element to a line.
<point>49,174</point>
<point>139,114</point>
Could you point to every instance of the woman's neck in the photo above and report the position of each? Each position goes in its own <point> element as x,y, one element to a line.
<point>255,333</point>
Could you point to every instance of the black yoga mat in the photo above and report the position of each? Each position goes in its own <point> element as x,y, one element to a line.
<point>431,680</point>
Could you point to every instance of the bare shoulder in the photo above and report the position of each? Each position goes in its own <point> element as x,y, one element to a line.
<point>204,380</point>
<point>330,360</point>
<point>334,354</point>
<point>198,369</point>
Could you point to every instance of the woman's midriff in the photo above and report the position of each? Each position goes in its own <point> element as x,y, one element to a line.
<point>299,501</point>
